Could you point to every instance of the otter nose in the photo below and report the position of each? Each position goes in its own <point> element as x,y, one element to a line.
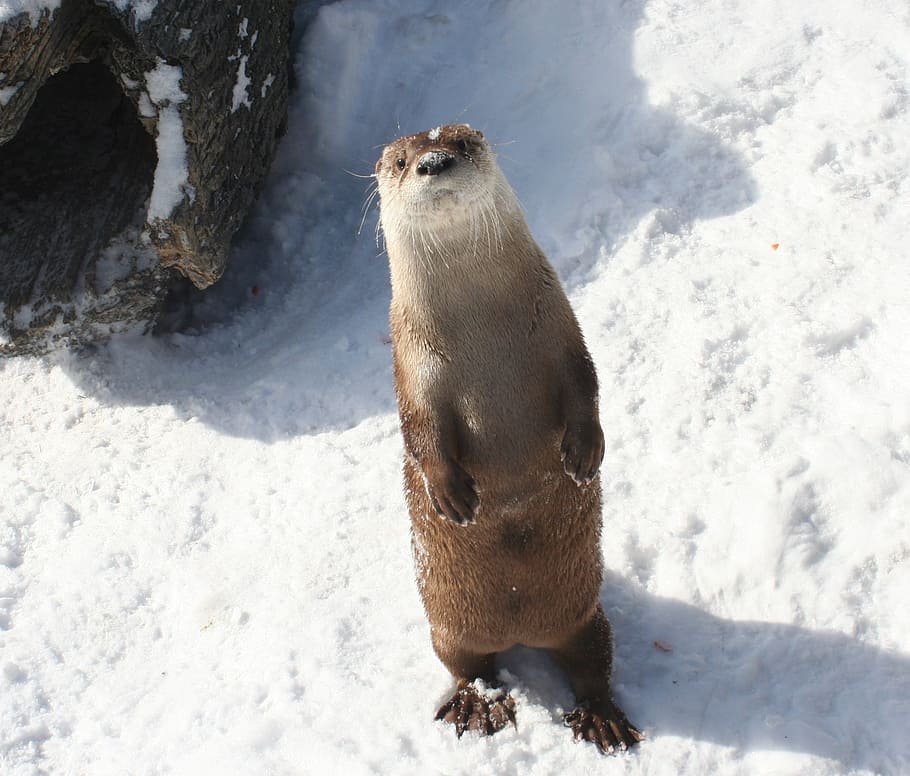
<point>434,162</point>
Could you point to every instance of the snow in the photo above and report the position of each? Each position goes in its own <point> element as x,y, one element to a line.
<point>241,85</point>
<point>206,563</point>
<point>8,92</point>
<point>34,8</point>
<point>266,85</point>
<point>142,9</point>
<point>9,8</point>
<point>171,174</point>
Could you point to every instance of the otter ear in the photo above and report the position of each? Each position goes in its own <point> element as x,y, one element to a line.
<point>378,166</point>
<point>479,134</point>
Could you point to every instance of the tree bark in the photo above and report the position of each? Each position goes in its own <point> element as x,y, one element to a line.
<point>132,143</point>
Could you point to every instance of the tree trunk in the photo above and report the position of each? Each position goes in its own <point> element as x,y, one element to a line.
<point>132,143</point>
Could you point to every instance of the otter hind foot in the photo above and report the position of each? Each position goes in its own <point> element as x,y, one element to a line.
<point>472,709</point>
<point>604,725</point>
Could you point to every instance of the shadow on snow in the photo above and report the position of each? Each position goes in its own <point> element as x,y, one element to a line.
<point>747,685</point>
<point>293,340</point>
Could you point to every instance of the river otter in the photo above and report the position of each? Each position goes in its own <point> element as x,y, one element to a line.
<point>497,397</point>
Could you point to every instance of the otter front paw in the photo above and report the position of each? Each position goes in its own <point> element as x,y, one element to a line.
<point>603,724</point>
<point>582,450</point>
<point>452,491</point>
<point>470,709</point>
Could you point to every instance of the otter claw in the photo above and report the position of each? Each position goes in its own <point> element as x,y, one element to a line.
<point>582,451</point>
<point>469,709</point>
<point>604,725</point>
<point>452,492</point>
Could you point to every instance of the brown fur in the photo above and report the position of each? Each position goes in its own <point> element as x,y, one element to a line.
<point>497,397</point>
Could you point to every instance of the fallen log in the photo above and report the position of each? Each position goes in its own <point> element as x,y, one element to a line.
<point>134,135</point>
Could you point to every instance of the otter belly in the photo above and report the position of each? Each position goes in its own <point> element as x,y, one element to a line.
<point>527,571</point>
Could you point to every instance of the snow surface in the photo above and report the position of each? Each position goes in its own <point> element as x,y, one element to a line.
<point>142,9</point>
<point>34,8</point>
<point>205,561</point>
<point>9,8</point>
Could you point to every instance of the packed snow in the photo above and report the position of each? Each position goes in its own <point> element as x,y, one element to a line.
<point>204,552</point>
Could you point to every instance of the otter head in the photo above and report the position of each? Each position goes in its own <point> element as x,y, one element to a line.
<point>442,176</point>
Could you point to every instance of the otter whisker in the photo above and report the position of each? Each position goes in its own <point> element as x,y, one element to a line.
<point>495,223</point>
<point>438,247</point>
<point>475,232</point>
<point>490,220</point>
<point>377,233</point>
<point>372,190</point>
<point>366,209</point>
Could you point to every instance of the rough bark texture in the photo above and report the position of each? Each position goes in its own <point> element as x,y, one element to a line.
<point>78,156</point>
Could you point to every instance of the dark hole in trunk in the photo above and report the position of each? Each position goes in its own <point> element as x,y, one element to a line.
<point>78,172</point>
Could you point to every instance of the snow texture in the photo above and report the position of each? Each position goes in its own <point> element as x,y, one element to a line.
<point>9,8</point>
<point>266,85</point>
<point>8,92</point>
<point>171,174</point>
<point>242,84</point>
<point>241,94</point>
<point>204,553</point>
<point>142,9</point>
<point>34,8</point>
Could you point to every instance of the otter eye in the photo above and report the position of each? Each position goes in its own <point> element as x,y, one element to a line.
<point>462,145</point>
<point>400,163</point>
